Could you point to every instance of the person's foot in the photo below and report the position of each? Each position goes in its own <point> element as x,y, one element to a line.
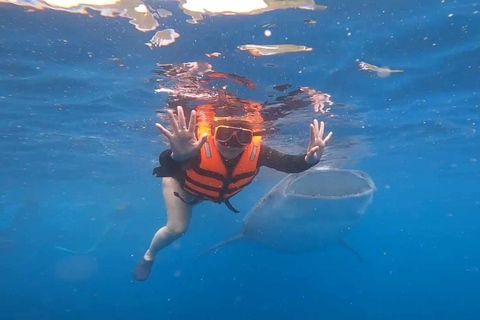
<point>142,270</point>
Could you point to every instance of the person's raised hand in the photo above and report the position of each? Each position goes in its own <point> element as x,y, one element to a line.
<point>317,142</point>
<point>183,141</point>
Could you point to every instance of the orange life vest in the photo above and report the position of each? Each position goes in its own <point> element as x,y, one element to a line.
<point>212,181</point>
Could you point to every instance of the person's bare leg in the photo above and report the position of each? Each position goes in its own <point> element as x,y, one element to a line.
<point>178,217</point>
<point>178,220</point>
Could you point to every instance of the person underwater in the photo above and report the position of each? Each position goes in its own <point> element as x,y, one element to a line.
<point>214,167</point>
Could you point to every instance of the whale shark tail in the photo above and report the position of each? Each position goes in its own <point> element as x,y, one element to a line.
<point>235,238</point>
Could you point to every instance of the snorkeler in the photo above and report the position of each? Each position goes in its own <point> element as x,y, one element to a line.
<point>215,168</point>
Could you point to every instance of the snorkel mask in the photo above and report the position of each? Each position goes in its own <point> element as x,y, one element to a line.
<point>233,136</point>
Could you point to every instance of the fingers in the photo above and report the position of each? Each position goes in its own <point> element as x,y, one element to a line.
<point>167,133</point>
<point>178,121</point>
<point>176,117</point>
<point>311,154</point>
<point>201,141</point>
<point>319,131</point>
<point>173,121</point>
<point>328,137</point>
<point>181,118</point>
<point>193,121</point>
<point>313,150</point>
<point>312,133</point>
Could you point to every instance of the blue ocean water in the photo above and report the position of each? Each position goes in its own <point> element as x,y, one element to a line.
<point>78,145</point>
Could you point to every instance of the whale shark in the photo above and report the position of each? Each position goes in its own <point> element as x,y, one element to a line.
<point>307,211</point>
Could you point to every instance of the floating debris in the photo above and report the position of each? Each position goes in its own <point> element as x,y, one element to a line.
<point>310,21</point>
<point>282,87</point>
<point>312,7</point>
<point>269,25</point>
<point>319,99</point>
<point>196,9</point>
<point>381,72</point>
<point>238,79</point>
<point>213,54</point>
<point>163,38</point>
<point>270,50</point>
<point>135,10</point>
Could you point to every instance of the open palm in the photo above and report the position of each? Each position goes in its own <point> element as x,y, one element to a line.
<point>183,141</point>
<point>317,142</point>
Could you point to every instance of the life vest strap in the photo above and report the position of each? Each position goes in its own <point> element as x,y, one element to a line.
<point>198,190</point>
<point>191,203</point>
<point>201,185</point>
<point>200,198</point>
<point>229,206</point>
<point>210,174</point>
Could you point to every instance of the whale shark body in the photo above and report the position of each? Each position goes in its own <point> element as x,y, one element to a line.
<point>307,211</point>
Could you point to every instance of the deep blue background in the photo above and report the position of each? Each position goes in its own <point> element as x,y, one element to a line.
<point>77,140</point>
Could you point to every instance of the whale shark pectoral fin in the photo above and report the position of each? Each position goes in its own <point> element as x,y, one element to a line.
<point>349,247</point>
<point>232,239</point>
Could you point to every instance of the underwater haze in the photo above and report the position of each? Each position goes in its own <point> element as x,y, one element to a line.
<point>82,84</point>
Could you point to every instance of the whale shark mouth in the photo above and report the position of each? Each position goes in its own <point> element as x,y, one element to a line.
<point>330,184</point>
